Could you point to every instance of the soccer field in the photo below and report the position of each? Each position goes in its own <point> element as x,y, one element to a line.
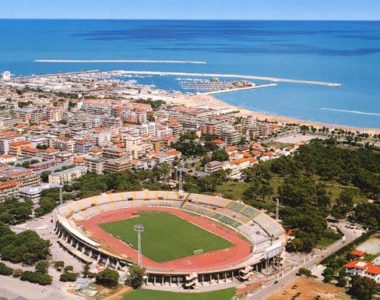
<point>226,294</point>
<point>166,237</point>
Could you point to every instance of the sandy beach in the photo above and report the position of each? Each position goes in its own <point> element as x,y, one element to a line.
<point>211,101</point>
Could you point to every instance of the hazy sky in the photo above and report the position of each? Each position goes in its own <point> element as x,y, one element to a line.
<point>193,9</point>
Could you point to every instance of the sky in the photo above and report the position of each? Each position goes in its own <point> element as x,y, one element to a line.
<point>193,9</point>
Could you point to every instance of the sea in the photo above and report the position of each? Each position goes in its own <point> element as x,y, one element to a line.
<point>341,52</point>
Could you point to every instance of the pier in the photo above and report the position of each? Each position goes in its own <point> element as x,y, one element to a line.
<point>271,79</point>
<point>241,89</point>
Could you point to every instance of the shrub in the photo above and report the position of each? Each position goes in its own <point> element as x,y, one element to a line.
<point>42,267</point>
<point>68,269</point>
<point>58,265</point>
<point>68,276</point>
<point>136,276</point>
<point>36,277</point>
<point>108,278</point>
<point>304,272</point>
<point>4,270</point>
<point>17,273</point>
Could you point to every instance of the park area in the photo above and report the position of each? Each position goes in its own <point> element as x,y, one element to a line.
<point>166,237</point>
<point>226,294</point>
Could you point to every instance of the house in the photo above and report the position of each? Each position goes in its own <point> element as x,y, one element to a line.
<point>363,268</point>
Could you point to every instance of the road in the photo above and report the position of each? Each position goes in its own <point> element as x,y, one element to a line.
<point>349,236</point>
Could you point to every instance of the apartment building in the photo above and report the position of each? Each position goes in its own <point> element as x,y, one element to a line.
<point>23,177</point>
<point>15,148</point>
<point>94,163</point>
<point>117,165</point>
<point>67,176</point>
<point>8,137</point>
<point>8,189</point>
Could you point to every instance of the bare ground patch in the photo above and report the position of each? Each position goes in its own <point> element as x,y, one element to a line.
<point>309,289</point>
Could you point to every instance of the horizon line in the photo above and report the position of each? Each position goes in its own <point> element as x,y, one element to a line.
<point>186,19</point>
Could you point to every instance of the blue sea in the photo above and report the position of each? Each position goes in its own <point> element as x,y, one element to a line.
<point>343,52</point>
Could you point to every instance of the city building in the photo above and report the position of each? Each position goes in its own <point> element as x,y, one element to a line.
<point>67,176</point>
<point>8,189</point>
<point>117,165</point>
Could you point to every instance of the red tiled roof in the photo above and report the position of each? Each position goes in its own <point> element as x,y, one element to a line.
<point>357,253</point>
<point>19,143</point>
<point>356,264</point>
<point>7,184</point>
<point>218,141</point>
<point>373,269</point>
<point>173,152</point>
<point>50,150</point>
<point>240,161</point>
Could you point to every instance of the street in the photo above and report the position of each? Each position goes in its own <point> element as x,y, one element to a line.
<point>265,291</point>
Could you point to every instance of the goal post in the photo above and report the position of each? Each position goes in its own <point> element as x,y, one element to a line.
<point>198,251</point>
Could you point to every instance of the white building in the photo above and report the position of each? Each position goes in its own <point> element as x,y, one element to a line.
<point>363,268</point>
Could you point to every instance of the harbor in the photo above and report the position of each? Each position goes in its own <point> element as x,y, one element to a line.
<point>248,77</point>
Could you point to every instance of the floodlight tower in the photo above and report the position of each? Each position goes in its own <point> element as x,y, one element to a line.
<point>60,195</point>
<point>277,209</point>
<point>139,228</point>
<point>180,183</point>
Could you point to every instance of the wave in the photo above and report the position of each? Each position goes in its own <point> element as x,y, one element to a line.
<point>351,111</point>
<point>146,61</point>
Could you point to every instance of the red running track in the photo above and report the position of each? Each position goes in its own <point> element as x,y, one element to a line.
<point>214,260</point>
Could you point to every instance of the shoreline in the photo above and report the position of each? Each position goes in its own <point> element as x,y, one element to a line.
<point>203,100</point>
<point>208,99</point>
<point>241,76</point>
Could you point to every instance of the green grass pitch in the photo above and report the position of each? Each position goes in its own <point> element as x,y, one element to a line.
<point>226,294</point>
<point>166,237</point>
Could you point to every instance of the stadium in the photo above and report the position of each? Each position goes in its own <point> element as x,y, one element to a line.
<point>187,240</point>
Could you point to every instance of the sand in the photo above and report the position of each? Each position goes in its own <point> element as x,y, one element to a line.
<point>202,100</point>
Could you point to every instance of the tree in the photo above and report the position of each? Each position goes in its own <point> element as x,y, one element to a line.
<point>108,278</point>
<point>42,267</point>
<point>68,269</point>
<point>45,176</point>
<point>26,247</point>
<point>36,277</point>
<point>342,281</point>
<point>362,288</point>
<point>328,274</point>
<point>346,199</point>
<point>86,270</point>
<point>4,270</point>
<point>59,265</point>
<point>304,272</point>
<point>220,155</point>
<point>136,276</point>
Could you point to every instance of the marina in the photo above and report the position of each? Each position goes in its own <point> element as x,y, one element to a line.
<point>251,77</point>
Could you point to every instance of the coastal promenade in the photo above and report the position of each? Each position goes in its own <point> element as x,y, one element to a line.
<point>271,79</point>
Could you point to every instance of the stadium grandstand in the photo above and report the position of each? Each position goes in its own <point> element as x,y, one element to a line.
<point>258,240</point>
